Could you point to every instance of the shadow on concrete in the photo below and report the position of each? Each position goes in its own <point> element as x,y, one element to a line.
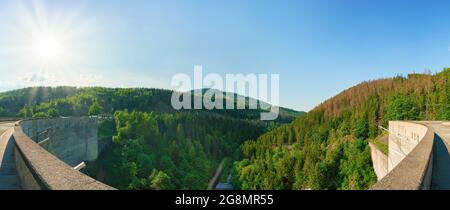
<point>441,165</point>
<point>8,175</point>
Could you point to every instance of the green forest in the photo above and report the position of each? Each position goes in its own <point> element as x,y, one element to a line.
<point>327,148</point>
<point>149,145</point>
<point>170,151</point>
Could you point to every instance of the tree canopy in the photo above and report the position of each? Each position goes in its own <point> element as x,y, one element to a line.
<point>327,148</point>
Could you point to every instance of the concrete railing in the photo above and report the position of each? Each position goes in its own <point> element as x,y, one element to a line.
<point>39,169</point>
<point>410,157</point>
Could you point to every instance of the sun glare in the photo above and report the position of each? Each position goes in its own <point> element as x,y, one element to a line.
<point>48,48</point>
<point>50,42</point>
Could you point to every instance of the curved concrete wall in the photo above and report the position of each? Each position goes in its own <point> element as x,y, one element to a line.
<point>73,140</point>
<point>70,141</point>
<point>410,157</point>
<point>379,160</point>
<point>403,138</point>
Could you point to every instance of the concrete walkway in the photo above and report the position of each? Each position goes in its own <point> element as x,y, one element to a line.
<point>441,157</point>
<point>8,175</point>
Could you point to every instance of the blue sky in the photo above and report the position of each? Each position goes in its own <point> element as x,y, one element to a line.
<point>318,47</point>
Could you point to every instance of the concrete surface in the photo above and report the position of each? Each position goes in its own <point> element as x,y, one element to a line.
<point>379,161</point>
<point>8,175</point>
<point>441,159</point>
<point>403,138</point>
<point>73,140</point>
<point>39,169</point>
<point>24,164</point>
<point>419,160</point>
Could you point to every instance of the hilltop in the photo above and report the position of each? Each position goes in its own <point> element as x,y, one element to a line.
<point>73,101</point>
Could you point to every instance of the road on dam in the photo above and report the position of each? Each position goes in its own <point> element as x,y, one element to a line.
<point>440,179</point>
<point>8,175</point>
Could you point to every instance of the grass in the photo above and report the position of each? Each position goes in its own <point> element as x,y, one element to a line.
<point>382,146</point>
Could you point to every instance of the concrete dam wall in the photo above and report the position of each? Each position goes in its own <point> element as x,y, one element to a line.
<point>404,137</point>
<point>72,140</point>
<point>410,156</point>
<point>46,151</point>
<point>379,161</point>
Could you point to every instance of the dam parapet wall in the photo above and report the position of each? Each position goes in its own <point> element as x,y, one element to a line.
<point>46,150</point>
<point>72,140</point>
<point>410,157</point>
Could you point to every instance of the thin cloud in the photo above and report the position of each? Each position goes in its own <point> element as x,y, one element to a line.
<point>85,79</point>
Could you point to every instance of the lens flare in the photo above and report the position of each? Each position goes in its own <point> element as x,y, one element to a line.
<point>48,48</point>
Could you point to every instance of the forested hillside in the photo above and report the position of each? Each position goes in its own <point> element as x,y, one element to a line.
<point>12,102</point>
<point>170,151</point>
<point>154,146</point>
<point>149,145</point>
<point>327,148</point>
<point>71,101</point>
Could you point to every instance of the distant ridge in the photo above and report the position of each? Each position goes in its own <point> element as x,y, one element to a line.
<point>159,100</point>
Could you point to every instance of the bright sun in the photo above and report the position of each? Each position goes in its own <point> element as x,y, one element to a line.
<point>48,48</point>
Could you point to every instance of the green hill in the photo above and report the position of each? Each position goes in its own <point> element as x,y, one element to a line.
<point>72,101</point>
<point>327,147</point>
<point>149,145</point>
